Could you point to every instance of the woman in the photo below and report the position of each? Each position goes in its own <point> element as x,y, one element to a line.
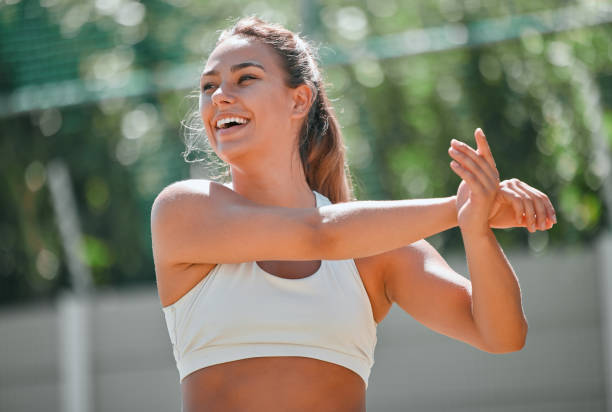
<point>273,285</point>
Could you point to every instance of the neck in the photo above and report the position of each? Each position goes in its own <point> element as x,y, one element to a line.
<point>275,182</point>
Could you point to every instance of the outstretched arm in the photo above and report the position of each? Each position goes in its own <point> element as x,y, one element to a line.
<point>198,221</point>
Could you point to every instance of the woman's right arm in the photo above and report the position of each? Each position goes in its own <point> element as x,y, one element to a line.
<point>198,221</point>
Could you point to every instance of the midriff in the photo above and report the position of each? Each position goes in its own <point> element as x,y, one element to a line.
<point>282,383</point>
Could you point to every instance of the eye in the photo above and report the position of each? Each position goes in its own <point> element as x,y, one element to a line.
<point>207,86</point>
<point>246,77</point>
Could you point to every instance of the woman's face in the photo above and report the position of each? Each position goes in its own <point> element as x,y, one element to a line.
<point>244,102</point>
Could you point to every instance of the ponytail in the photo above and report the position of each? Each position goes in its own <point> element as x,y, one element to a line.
<point>322,151</point>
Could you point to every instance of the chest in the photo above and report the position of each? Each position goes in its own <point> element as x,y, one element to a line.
<point>172,285</point>
<point>246,299</point>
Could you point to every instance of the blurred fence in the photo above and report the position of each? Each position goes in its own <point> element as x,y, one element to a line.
<point>562,367</point>
<point>58,94</point>
<point>106,95</point>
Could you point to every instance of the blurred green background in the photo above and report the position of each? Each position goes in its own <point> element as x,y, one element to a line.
<point>104,85</point>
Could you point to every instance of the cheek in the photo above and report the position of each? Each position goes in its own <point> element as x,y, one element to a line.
<point>273,105</point>
<point>204,106</point>
<point>202,109</point>
<point>201,100</point>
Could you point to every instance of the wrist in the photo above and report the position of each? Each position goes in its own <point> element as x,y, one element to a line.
<point>476,233</point>
<point>452,203</point>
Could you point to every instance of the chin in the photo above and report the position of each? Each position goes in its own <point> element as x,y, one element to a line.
<point>232,151</point>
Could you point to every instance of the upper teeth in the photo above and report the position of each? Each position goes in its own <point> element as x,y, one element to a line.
<point>230,119</point>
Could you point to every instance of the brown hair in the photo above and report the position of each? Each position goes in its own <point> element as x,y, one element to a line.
<point>320,144</point>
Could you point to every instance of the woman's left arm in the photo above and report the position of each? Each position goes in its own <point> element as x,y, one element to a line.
<point>496,296</point>
<point>486,310</point>
<point>418,279</point>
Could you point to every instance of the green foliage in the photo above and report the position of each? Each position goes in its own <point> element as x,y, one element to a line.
<point>103,85</point>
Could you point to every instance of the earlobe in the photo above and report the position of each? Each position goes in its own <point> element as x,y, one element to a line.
<point>302,96</point>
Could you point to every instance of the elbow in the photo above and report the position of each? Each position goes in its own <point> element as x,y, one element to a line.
<point>508,347</point>
<point>515,344</point>
<point>522,338</point>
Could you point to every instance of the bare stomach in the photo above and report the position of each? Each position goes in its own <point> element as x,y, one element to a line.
<point>281,383</point>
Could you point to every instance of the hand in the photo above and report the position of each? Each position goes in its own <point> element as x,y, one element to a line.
<point>477,193</point>
<point>519,205</point>
<point>516,204</point>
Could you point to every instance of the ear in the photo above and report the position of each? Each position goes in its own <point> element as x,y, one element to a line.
<point>301,101</point>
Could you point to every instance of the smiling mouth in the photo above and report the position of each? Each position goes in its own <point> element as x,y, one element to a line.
<point>230,127</point>
<point>230,122</point>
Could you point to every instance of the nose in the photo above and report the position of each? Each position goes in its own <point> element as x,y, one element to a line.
<point>222,95</point>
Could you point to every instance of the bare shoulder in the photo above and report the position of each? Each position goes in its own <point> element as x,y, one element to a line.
<point>184,191</point>
<point>171,206</point>
<point>178,208</point>
<point>164,206</point>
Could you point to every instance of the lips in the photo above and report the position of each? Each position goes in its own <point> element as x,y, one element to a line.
<point>226,121</point>
<point>231,130</point>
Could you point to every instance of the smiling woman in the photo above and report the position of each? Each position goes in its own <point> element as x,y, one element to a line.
<point>256,75</point>
<point>279,278</point>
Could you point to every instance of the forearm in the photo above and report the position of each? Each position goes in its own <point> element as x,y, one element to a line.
<point>496,295</point>
<point>365,228</point>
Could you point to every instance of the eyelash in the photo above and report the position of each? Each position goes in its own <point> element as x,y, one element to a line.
<point>208,86</point>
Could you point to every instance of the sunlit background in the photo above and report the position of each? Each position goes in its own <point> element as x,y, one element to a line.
<point>92,97</point>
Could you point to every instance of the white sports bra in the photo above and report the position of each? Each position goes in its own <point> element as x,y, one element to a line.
<point>240,311</point>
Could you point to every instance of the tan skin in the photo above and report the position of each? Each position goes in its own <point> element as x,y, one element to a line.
<point>270,212</point>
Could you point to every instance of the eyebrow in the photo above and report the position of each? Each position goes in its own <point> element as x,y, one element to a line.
<point>236,67</point>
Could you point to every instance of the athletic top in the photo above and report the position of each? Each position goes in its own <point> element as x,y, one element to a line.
<point>241,311</point>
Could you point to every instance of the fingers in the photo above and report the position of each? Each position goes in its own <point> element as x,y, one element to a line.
<point>545,213</point>
<point>473,167</point>
<point>529,218</point>
<point>483,148</point>
<point>539,213</point>
<point>475,185</point>
<point>531,207</point>
<point>550,210</point>
<point>469,159</point>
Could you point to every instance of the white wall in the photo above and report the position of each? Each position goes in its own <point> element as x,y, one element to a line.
<point>560,368</point>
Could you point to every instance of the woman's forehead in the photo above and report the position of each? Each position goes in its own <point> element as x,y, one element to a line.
<point>236,49</point>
